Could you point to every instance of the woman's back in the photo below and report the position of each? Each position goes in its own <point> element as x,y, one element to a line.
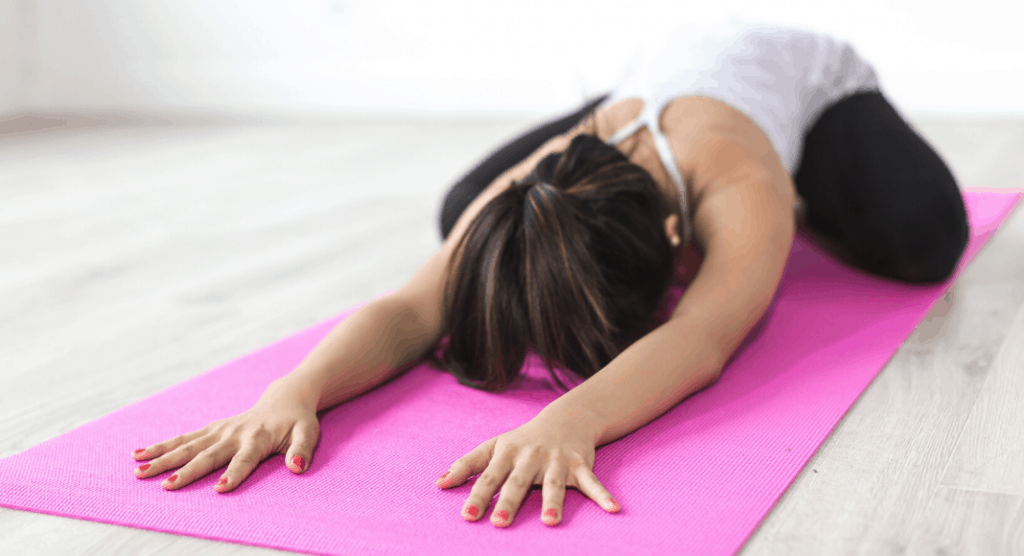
<point>781,79</point>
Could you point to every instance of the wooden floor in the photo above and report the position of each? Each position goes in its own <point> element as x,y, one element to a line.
<point>136,254</point>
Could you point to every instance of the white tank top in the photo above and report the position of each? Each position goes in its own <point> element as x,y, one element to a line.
<point>781,79</point>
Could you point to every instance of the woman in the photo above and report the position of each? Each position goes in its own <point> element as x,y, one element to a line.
<point>566,240</point>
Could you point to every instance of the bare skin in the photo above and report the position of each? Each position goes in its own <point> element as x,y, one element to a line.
<point>744,222</point>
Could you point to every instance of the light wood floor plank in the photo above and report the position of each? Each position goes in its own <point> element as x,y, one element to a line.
<point>990,453</point>
<point>971,523</point>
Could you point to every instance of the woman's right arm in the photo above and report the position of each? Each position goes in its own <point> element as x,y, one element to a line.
<point>376,342</point>
<point>369,347</point>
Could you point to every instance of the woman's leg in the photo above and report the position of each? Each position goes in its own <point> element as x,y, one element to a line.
<point>508,155</point>
<point>874,184</point>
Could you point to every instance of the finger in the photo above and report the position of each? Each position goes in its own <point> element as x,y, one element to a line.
<point>300,452</point>
<point>515,489</point>
<point>468,465</point>
<point>157,450</point>
<point>486,485</point>
<point>208,460</point>
<point>553,490</point>
<point>241,466</point>
<point>175,458</point>
<point>588,484</point>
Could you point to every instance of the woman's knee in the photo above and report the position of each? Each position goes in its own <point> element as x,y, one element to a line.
<point>922,244</point>
<point>901,202</point>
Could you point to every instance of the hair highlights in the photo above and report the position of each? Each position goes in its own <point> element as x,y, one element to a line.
<point>572,263</point>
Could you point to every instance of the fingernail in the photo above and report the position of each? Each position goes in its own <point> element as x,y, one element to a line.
<point>614,505</point>
<point>502,518</point>
<point>172,478</point>
<point>550,516</point>
<point>297,462</point>
<point>446,473</point>
<point>223,482</point>
<point>140,453</point>
<point>144,466</point>
<point>472,511</point>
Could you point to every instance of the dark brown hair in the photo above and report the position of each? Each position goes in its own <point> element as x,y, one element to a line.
<point>572,262</point>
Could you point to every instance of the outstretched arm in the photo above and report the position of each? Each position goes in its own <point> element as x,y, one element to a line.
<point>369,347</point>
<point>746,227</point>
<point>747,231</point>
<point>366,349</point>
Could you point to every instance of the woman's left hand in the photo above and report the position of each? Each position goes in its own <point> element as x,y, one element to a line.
<point>552,450</point>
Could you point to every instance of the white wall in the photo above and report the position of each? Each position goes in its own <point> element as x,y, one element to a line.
<point>463,57</point>
<point>13,58</point>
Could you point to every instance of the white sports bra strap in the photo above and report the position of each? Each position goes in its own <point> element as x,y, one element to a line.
<point>625,132</point>
<point>649,117</point>
<point>668,159</point>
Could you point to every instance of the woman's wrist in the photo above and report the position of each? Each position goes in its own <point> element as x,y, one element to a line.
<point>569,412</point>
<point>297,388</point>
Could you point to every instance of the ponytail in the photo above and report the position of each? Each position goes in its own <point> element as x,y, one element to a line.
<point>572,263</point>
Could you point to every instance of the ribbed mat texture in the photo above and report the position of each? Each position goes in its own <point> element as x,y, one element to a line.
<point>697,480</point>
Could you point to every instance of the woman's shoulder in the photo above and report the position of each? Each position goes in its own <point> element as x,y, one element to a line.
<point>709,138</point>
<point>713,140</point>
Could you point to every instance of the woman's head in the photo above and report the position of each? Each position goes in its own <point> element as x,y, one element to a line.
<point>572,262</point>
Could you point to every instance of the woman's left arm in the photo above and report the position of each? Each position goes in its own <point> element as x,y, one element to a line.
<point>746,227</point>
<point>747,230</point>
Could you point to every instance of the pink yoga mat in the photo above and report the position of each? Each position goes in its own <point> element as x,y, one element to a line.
<point>697,480</point>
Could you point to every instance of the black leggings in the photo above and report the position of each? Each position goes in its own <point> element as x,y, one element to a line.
<point>867,179</point>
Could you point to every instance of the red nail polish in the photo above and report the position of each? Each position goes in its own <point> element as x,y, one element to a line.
<point>472,510</point>
<point>172,478</point>
<point>139,453</point>
<point>615,505</point>
<point>550,517</point>
<point>446,473</point>
<point>144,466</point>
<point>297,462</point>
<point>223,481</point>
<point>502,516</point>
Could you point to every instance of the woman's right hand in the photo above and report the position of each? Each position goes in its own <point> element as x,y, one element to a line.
<point>283,421</point>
